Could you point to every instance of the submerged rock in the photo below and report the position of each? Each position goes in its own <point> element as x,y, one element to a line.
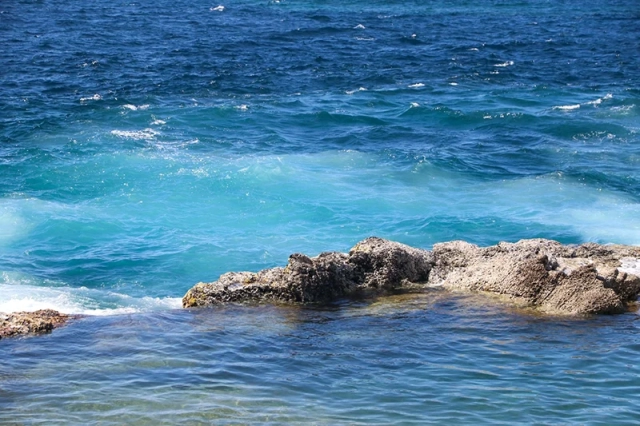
<point>38,322</point>
<point>585,279</point>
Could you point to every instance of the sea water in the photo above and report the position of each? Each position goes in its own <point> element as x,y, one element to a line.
<point>147,146</point>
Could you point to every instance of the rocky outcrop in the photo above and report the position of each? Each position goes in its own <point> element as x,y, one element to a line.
<point>585,279</point>
<point>372,266</point>
<point>38,322</point>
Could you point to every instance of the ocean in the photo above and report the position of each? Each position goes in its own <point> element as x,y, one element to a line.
<point>147,146</point>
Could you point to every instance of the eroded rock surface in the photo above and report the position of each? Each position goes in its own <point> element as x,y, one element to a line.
<point>38,322</point>
<point>585,279</point>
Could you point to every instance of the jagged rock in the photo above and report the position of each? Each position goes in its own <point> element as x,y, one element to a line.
<point>373,265</point>
<point>387,265</point>
<point>585,279</point>
<point>21,323</point>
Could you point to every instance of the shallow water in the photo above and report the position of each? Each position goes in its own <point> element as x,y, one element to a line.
<point>147,146</point>
<point>421,359</point>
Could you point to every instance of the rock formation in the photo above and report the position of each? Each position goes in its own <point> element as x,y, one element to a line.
<point>38,322</point>
<point>586,279</point>
<point>559,279</point>
<point>373,265</point>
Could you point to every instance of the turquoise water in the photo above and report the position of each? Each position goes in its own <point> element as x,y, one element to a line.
<point>147,146</point>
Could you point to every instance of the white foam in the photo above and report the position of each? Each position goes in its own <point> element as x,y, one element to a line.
<point>504,64</point>
<point>135,108</point>
<point>599,100</point>
<point>359,89</point>
<point>359,27</point>
<point>414,105</point>
<point>453,84</point>
<point>95,97</point>
<point>593,213</point>
<point>416,85</point>
<point>136,134</point>
<point>25,293</point>
<point>217,9</point>
<point>242,107</point>
<point>157,122</point>
<point>567,107</point>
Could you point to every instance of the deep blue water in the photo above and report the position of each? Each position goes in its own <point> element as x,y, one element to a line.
<point>146,146</point>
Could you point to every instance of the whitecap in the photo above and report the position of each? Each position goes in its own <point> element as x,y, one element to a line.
<point>504,64</point>
<point>95,97</point>
<point>453,84</point>
<point>242,107</point>
<point>599,100</point>
<point>567,107</point>
<point>217,9</point>
<point>414,105</point>
<point>359,27</point>
<point>416,85</point>
<point>135,107</point>
<point>157,122</point>
<point>359,89</point>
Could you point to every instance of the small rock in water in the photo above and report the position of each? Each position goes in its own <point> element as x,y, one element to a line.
<point>38,322</point>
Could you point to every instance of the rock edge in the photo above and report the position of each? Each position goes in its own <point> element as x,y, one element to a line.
<point>544,274</point>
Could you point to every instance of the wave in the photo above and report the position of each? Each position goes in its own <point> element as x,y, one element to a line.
<point>25,293</point>
<point>594,103</point>
<point>567,107</point>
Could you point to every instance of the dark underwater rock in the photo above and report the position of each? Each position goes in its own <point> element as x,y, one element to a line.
<point>556,279</point>
<point>37,322</point>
